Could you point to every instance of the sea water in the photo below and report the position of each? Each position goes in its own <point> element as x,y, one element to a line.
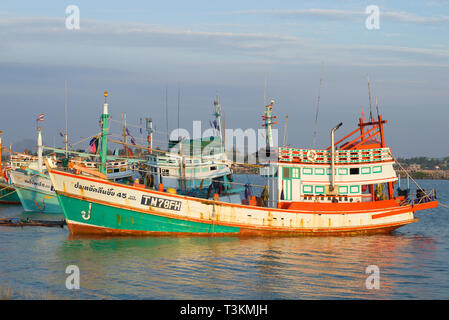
<point>412,262</point>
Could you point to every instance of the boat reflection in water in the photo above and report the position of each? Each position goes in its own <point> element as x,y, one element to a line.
<point>249,267</point>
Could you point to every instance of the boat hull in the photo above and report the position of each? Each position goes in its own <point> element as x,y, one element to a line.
<point>36,193</point>
<point>95,206</point>
<point>38,201</point>
<point>8,194</point>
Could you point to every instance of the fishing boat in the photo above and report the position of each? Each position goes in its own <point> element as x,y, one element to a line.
<point>195,167</point>
<point>345,189</point>
<point>8,194</point>
<point>32,183</point>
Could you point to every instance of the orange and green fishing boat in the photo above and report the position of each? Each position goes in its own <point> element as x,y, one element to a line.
<point>345,189</point>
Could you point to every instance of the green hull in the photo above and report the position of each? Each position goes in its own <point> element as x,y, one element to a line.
<point>37,201</point>
<point>112,220</point>
<point>8,194</point>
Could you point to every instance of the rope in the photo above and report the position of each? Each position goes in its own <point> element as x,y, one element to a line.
<point>237,183</point>
<point>82,140</point>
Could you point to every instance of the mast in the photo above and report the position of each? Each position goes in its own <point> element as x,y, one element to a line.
<point>217,114</point>
<point>268,123</point>
<point>39,150</point>
<point>149,128</point>
<point>104,135</point>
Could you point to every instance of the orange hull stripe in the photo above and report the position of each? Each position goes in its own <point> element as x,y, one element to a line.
<point>88,229</point>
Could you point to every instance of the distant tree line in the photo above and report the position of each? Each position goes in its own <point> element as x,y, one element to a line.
<point>426,163</point>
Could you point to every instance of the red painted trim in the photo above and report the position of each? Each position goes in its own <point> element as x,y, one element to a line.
<point>328,164</point>
<point>387,214</point>
<point>351,182</point>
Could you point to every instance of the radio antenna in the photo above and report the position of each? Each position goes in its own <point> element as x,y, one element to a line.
<point>317,106</point>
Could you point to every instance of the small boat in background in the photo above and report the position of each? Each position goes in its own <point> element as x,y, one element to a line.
<point>29,177</point>
<point>8,194</point>
<point>195,167</point>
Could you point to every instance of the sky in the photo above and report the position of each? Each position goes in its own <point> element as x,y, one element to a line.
<point>246,51</point>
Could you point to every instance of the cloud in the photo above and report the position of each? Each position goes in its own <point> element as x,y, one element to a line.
<point>46,40</point>
<point>47,29</point>
<point>396,16</point>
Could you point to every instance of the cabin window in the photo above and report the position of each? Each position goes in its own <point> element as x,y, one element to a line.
<point>213,168</point>
<point>295,173</point>
<point>354,171</point>
<point>342,189</point>
<point>342,171</point>
<point>319,171</point>
<point>355,189</point>
<point>366,170</point>
<point>319,190</point>
<point>307,171</point>
<point>377,169</point>
<point>307,189</point>
<point>165,172</point>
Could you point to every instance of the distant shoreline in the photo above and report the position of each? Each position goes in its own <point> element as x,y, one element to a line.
<point>419,174</point>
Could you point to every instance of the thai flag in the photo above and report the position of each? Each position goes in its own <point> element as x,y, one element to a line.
<point>41,117</point>
<point>93,147</point>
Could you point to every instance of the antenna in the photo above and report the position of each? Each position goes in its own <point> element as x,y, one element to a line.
<point>377,108</point>
<point>166,110</point>
<point>224,135</point>
<point>370,108</point>
<point>285,130</point>
<point>124,134</point>
<point>66,121</point>
<point>317,106</point>
<point>265,83</point>
<point>179,102</point>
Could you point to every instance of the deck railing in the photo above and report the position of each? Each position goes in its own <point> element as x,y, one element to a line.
<point>294,155</point>
<point>422,196</point>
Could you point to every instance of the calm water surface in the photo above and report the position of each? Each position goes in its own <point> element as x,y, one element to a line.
<point>413,263</point>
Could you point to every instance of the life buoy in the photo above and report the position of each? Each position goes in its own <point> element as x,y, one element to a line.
<point>311,155</point>
<point>149,138</point>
